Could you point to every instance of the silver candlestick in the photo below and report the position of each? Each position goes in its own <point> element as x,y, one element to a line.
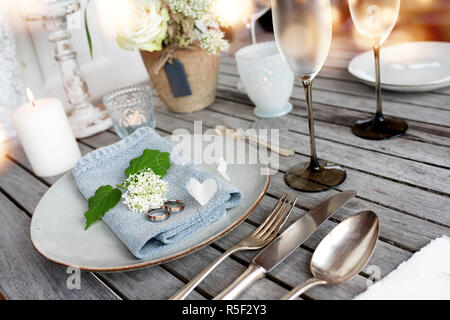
<point>85,118</point>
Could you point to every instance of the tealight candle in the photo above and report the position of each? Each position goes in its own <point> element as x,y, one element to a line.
<point>46,136</point>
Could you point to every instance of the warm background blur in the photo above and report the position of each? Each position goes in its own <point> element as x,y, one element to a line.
<point>419,20</point>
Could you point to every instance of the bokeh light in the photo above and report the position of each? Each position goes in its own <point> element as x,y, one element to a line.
<point>424,3</point>
<point>336,15</point>
<point>233,12</point>
<point>111,14</point>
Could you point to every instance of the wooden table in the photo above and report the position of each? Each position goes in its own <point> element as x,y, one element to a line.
<point>406,181</point>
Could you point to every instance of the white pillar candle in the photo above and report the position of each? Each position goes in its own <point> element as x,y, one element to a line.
<point>46,136</point>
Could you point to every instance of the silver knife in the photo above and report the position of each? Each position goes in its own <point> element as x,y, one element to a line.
<point>285,244</point>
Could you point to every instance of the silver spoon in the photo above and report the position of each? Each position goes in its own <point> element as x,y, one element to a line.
<point>343,253</point>
<point>239,134</point>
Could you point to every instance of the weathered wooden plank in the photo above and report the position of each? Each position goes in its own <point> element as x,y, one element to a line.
<point>401,172</point>
<point>413,150</point>
<point>403,230</point>
<point>444,91</point>
<point>359,103</point>
<point>101,139</point>
<point>189,266</point>
<point>390,167</point>
<point>24,274</point>
<point>418,131</point>
<point>405,198</point>
<point>414,233</point>
<point>421,203</point>
<point>153,283</point>
<point>408,171</point>
<point>17,153</point>
<point>23,187</point>
<point>338,84</point>
<point>403,148</point>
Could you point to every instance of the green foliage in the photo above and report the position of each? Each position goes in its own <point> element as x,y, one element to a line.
<point>105,198</point>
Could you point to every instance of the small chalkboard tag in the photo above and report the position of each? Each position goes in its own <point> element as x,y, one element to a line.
<point>178,81</point>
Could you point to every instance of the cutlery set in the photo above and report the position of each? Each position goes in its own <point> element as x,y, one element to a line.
<point>340,255</point>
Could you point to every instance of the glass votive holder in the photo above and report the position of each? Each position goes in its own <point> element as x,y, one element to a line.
<point>130,108</point>
<point>267,79</point>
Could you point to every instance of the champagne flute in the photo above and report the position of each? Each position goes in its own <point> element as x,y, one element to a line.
<point>259,8</point>
<point>303,36</point>
<point>375,20</point>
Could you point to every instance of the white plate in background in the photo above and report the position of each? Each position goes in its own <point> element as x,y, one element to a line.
<point>408,67</point>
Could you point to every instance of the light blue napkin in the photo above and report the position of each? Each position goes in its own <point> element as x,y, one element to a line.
<point>145,238</point>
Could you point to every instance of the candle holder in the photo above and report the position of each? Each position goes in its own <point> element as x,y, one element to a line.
<point>85,118</point>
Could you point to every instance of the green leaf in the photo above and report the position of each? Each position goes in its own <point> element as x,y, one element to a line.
<point>105,198</point>
<point>156,160</point>
<point>88,34</point>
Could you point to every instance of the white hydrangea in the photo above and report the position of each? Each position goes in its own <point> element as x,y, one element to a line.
<point>191,8</point>
<point>144,190</point>
<point>213,41</point>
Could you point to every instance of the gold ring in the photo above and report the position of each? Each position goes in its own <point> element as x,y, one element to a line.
<point>158,217</point>
<point>174,206</point>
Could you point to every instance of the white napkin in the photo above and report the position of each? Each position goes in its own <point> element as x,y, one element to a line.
<point>425,276</point>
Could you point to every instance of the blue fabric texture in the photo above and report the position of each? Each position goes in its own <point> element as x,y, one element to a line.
<point>145,238</point>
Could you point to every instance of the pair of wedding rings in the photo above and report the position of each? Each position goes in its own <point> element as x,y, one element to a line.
<point>163,212</point>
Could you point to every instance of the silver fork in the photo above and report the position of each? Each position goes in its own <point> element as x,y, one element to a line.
<point>259,238</point>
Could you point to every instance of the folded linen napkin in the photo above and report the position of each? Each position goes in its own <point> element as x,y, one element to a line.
<point>426,275</point>
<point>145,238</point>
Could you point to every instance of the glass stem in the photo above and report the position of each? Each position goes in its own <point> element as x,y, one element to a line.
<point>314,163</point>
<point>379,113</point>
<point>253,29</point>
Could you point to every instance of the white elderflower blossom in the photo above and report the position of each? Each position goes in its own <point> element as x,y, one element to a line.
<point>144,190</point>
<point>213,41</point>
<point>191,8</point>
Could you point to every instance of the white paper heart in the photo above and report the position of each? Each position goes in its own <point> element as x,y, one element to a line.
<point>202,192</point>
<point>222,168</point>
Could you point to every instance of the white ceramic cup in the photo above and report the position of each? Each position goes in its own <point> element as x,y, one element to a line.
<point>267,79</point>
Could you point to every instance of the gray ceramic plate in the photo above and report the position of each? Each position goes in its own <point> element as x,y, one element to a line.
<point>57,227</point>
<point>407,67</point>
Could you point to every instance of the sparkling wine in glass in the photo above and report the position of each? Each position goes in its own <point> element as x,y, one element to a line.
<point>303,31</point>
<point>375,19</point>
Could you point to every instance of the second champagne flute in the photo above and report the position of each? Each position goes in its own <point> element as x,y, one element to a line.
<point>375,20</point>
<point>303,32</point>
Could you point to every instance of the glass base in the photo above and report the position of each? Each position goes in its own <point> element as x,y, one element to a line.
<point>375,129</point>
<point>303,177</point>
